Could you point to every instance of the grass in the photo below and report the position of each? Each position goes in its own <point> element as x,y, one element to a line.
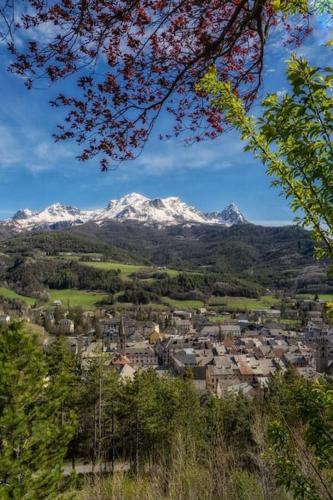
<point>183,304</point>
<point>218,319</point>
<point>129,306</point>
<point>244,303</point>
<point>86,300</point>
<point>127,269</point>
<point>10,294</point>
<point>328,297</point>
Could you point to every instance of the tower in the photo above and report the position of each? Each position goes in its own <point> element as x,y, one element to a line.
<point>122,337</point>
<point>324,349</point>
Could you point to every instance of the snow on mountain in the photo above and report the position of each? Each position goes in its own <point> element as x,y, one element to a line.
<point>230,216</point>
<point>56,215</point>
<point>163,211</point>
<point>158,212</point>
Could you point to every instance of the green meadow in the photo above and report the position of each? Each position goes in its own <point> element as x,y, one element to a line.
<point>245,303</point>
<point>10,294</point>
<point>127,269</point>
<point>76,298</point>
<point>183,304</point>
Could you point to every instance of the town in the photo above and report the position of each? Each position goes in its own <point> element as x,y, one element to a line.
<point>239,354</point>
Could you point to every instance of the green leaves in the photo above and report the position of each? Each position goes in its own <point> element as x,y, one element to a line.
<point>34,432</point>
<point>294,140</point>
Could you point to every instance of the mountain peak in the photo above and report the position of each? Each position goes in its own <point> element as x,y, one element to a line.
<point>133,206</point>
<point>231,215</point>
<point>22,214</point>
<point>133,198</point>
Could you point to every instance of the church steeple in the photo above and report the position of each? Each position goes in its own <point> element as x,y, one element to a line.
<point>122,337</point>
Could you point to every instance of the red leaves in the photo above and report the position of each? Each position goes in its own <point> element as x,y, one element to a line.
<point>142,16</point>
<point>133,58</point>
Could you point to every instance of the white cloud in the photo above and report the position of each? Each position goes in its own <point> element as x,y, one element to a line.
<point>31,149</point>
<point>223,153</point>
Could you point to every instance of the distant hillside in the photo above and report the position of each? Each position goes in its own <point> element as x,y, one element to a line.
<point>278,257</point>
<point>270,257</point>
<point>52,243</point>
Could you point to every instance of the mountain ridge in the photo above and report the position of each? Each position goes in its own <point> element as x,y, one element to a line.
<point>158,212</point>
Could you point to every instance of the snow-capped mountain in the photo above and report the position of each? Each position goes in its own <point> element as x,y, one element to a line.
<point>164,211</point>
<point>54,217</point>
<point>158,212</point>
<point>230,216</point>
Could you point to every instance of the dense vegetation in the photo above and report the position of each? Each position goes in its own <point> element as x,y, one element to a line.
<point>53,243</point>
<point>241,261</point>
<point>272,257</point>
<point>178,445</point>
<point>292,138</point>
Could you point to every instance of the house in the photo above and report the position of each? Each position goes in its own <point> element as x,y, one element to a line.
<point>295,359</point>
<point>221,373</point>
<point>155,337</point>
<point>224,330</point>
<point>77,344</point>
<point>175,343</point>
<point>250,368</point>
<point>196,360</point>
<point>127,372</point>
<point>182,314</point>
<point>183,325</point>
<point>4,319</point>
<point>66,326</point>
<point>109,328</point>
<point>141,355</point>
<point>242,388</point>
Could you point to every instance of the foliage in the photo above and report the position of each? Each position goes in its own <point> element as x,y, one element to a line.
<point>293,138</point>
<point>177,442</point>
<point>10,294</point>
<point>35,432</point>
<point>300,434</point>
<point>149,54</point>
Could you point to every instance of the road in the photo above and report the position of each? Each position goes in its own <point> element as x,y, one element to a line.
<point>97,469</point>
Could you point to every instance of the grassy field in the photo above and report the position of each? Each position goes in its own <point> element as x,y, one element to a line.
<point>10,294</point>
<point>183,304</point>
<point>128,306</point>
<point>127,269</point>
<point>218,319</point>
<point>244,303</point>
<point>86,300</point>
<point>328,297</point>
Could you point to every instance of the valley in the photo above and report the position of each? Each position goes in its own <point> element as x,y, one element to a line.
<point>118,262</point>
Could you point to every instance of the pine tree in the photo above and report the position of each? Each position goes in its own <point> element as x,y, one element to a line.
<point>34,435</point>
<point>98,409</point>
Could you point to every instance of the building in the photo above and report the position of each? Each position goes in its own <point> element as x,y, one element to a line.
<point>4,319</point>
<point>121,344</point>
<point>183,326</point>
<point>141,355</point>
<point>224,330</point>
<point>66,326</point>
<point>324,350</point>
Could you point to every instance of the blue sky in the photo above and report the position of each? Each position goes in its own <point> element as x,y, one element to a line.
<point>35,171</point>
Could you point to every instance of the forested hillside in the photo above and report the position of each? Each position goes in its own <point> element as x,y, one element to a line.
<point>272,258</point>
<point>245,260</point>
